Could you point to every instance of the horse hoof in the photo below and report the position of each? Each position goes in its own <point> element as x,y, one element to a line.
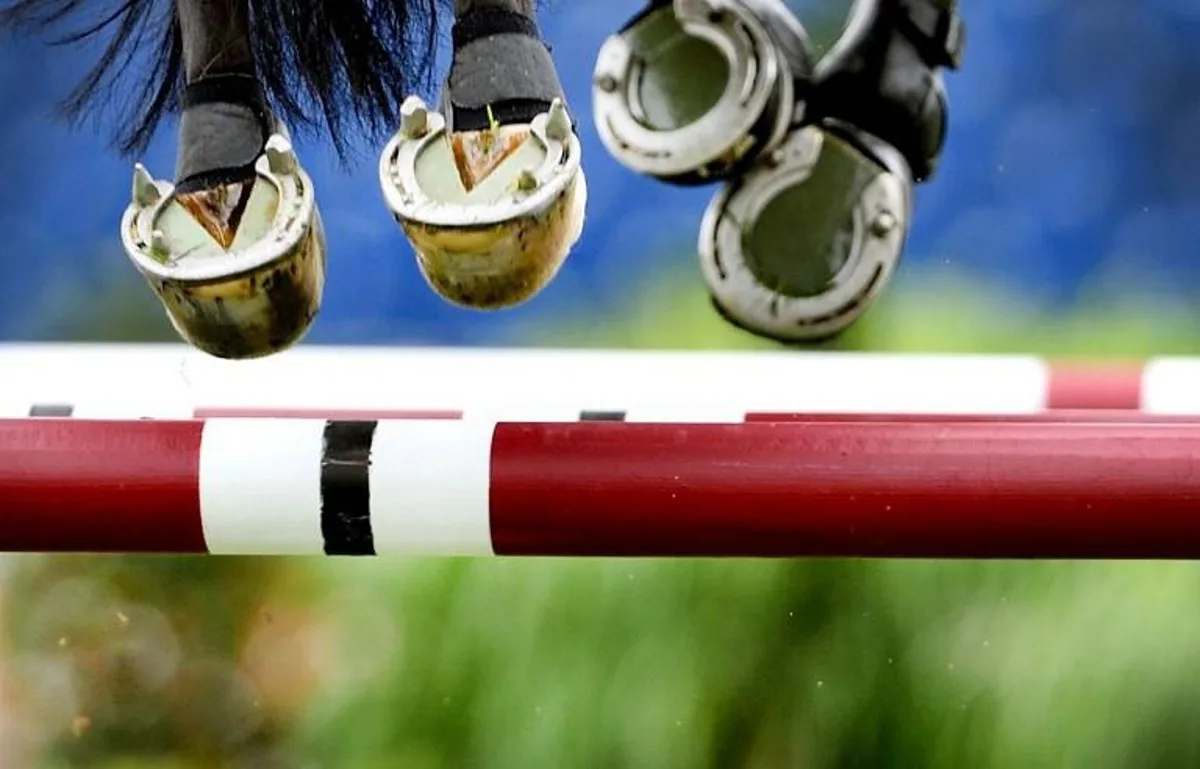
<point>800,248</point>
<point>240,269</point>
<point>695,91</point>
<point>491,214</point>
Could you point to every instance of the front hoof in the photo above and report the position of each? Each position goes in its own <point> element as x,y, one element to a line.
<point>239,269</point>
<point>492,214</point>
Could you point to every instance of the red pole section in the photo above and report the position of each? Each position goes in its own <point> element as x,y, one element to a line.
<point>77,486</point>
<point>943,488</point>
<point>1076,386</point>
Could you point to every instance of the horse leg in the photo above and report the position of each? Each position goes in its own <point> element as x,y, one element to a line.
<point>234,247</point>
<point>489,189</point>
<point>817,153</point>
<point>223,137</point>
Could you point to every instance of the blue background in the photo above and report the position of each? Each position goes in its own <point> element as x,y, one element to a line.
<point>1073,157</point>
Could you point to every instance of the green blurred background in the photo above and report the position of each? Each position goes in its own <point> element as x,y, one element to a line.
<point>431,664</point>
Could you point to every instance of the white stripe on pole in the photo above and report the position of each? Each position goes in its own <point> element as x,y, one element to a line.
<point>260,486</point>
<point>504,379</point>
<point>12,406</point>
<point>430,487</point>
<point>523,412</point>
<point>103,382</point>
<point>147,405</point>
<point>686,413</point>
<point>1171,386</point>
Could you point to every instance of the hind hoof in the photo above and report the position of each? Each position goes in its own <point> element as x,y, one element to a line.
<point>799,249</point>
<point>691,92</point>
<point>239,269</point>
<point>493,214</point>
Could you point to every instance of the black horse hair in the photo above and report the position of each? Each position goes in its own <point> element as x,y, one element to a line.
<point>324,64</point>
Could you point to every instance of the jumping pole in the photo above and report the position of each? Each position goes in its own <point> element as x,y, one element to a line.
<point>172,382</point>
<point>911,487</point>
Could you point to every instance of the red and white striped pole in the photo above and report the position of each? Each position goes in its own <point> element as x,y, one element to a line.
<point>166,381</point>
<point>945,487</point>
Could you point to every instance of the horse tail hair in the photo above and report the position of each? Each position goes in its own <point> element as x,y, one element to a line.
<point>137,27</point>
<point>324,64</point>
<point>340,62</point>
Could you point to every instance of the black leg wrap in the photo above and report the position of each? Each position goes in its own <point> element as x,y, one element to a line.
<point>502,73</point>
<point>224,126</point>
<point>891,86</point>
<point>490,20</point>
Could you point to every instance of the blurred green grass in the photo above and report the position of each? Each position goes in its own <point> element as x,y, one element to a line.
<point>432,664</point>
